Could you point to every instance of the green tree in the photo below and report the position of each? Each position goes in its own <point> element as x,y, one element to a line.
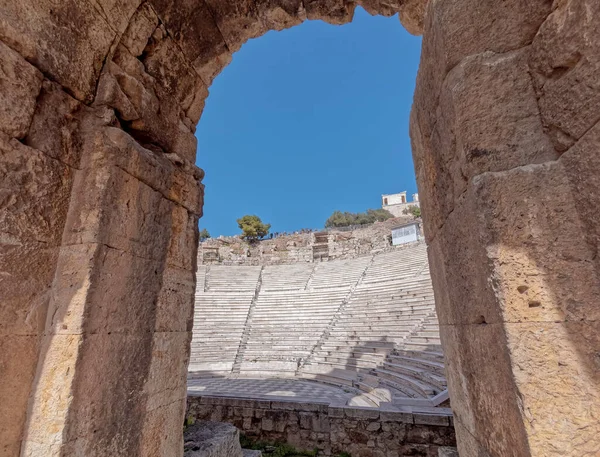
<point>345,219</point>
<point>413,210</point>
<point>204,235</point>
<point>253,228</point>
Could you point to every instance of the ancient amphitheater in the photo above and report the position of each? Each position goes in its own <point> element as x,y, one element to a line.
<point>366,325</point>
<point>100,200</point>
<point>357,333</point>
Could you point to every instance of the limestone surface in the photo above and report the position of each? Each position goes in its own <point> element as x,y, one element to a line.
<point>100,200</point>
<point>212,439</point>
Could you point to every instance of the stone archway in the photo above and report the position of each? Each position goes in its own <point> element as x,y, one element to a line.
<point>100,204</point>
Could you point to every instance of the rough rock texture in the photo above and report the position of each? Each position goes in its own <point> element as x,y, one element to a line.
<point>502,128</point>
<point>329,428</point>
<point>212,439</point>
<point>99,202</point>
<point>301,247</point>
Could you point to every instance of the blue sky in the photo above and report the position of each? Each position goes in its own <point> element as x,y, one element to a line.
<point>307,121</point>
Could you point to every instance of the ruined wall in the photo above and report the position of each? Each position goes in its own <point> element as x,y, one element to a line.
<point>332,429</point>
<point>100,201</point>
<point>301,247</point>
<point>505,135</point>
<point>98,223</point>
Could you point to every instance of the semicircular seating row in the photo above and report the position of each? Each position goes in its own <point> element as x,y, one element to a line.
<point>367,323</point>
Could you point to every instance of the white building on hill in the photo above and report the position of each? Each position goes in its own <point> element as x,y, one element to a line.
<point>397,203</point>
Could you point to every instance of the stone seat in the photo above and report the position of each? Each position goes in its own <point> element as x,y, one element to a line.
<point>274,311</point>
<point>402,387</point>
<point>424,341</point>
<point>334,377</point>
<point>371,348</point>
<point>432,354</point>
<point>423,388</point>
<point>429,365</point>
<point>352,364</point>
<point>424,347</point>
<point>420,374</point>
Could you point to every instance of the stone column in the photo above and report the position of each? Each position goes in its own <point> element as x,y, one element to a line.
<point>98,223</point>
<point>34,195</point>
<point>506,143</point>
<point>111,376</point>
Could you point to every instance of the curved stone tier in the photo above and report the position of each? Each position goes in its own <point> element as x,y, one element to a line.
<point>367,325</point>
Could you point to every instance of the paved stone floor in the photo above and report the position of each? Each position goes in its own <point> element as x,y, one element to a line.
<point>274,389</point>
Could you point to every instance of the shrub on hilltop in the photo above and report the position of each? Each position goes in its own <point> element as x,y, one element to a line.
<point>345,219</point>
<point>204,235</point>
<point>413,210</point>
<point>253,228</point>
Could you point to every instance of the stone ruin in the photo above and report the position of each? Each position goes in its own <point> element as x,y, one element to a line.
<point>313,246</point>
<point>101,200</point>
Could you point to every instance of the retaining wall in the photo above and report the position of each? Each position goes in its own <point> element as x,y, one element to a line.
<point>362,432</point>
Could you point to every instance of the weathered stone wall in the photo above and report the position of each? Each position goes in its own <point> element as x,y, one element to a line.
<point>98,223</point>
<point>100,201</point>
<point>300,247</point>
<point>506,140</point>
<point>362,432</point>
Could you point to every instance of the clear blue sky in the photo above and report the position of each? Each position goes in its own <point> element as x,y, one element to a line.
<point>307,121</point>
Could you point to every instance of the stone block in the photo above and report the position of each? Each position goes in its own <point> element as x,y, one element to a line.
<point>580,163</point>
<point>565,59</point>
<point>484,26</point>
<point>531,243</point>
<point>306,421</point>
<point>430,419</point>
<point>161,428</point>
<point>167,374</point>
<point>278,15</point>
<point>18,359</point>
<point>267,425</point>
<point>336,412</point>
<point>28,271</point>
<point>117,13</point>
<point>175,303</point>
<point>460,270</point>
<point>140,29</point>
<point>56,125</point>
<point>493,130</point>
<point>138,96</point>
<point>212,439</point>
<point>478,368</point>
<point>335,12</point>
<point>373,426</point>
<point>36,190</point>
<point>19,87</point>
<point>45,33</point>
<point>396,416</point>
<point>361,413</point>
<point>86,296</point>
<point>237,21</point>
<point>196,32</point>
<point>165,62</point>
<point>555,365</point>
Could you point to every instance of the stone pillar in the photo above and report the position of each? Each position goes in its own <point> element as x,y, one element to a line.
<point>506,144</point>
<point>100,201</point>
<point>34,196</point>
<point>111,376</point>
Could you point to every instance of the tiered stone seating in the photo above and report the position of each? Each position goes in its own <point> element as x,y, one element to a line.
<point>286,277</point>
<point>220,314</point>
<point>367,323</point>
<point>339,273</point>
<point>228,278</point>
<point>393,299</point>
<point>285,327</point>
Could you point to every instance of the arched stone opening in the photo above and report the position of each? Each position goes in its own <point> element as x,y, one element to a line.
<point>101,203</point>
